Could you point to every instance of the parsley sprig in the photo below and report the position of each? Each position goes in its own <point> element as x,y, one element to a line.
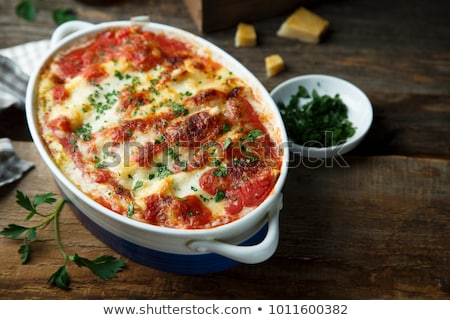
<point>104,266</point>
<point>28,9</point>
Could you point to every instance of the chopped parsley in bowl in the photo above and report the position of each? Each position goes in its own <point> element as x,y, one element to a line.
<point>324,116</point>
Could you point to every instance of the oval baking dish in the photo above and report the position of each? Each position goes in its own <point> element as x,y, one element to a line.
<point>170,151</point>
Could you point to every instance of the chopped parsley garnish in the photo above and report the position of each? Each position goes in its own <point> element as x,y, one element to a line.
<point>138,184</point>
<point>153,90</point>
<point>178,109</point>
<point>183,165</point>
<point>253,134</point>
<point>208,145</point>
<point>98,164</point>
<point>159,138</point>
<point>226,127</point>
<point>162,171</point>
<point>220,195</point>
<point>73,144</point>
<point>111,97</point>
<point>227,143</point>
<point>130,210</point>
<point>118,75</point>
<point>84,132</point>
<point>311,123</point>
<point>102,102</point>
<point>221,171</point>
<point>171,152</point>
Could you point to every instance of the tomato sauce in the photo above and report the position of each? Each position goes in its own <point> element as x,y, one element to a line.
<point>242,186</point>
<point>60,93</point>
<point>143,50</point>
<point>188,212</point>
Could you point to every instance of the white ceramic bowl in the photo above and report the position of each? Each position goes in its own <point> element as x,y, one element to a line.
<point>251,239</point>
<point>360,111</point>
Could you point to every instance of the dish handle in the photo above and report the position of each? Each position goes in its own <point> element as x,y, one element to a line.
<point>66,29</point>
<point>246,254</point>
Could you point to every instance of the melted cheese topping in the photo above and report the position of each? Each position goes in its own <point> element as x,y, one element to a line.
<point>154,129</point>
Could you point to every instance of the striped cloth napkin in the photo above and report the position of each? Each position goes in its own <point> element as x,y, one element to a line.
<point>16,64</point>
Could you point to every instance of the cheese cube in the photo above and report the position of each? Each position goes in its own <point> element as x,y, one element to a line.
<point>245,35</point>
<point>304,25</point>
<point>274,64</point>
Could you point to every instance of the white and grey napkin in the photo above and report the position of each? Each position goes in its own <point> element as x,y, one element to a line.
<point>12,167</point>
<point>13,84</point>
<point>16,63</point>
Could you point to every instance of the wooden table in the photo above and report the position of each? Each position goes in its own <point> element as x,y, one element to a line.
<point>376,229</point>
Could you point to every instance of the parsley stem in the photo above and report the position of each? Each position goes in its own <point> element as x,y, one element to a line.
<point>50,216</point>
<point>55,221</point>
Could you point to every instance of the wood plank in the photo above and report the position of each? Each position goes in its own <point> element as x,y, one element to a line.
<point>375,229</point>
<point>214,15</point>
<point>423,130</point>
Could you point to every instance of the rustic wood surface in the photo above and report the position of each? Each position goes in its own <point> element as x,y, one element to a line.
<point>377,226</point>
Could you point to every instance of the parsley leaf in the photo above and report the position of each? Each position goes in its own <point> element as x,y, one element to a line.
<point>48,198</point>
<point>253,134</point>
<point>221,171</point>
<point>23,201</point>
<point>60,278</point>
<point>63,15</point>
<point>130,209</point>
<point>183,165</point>
<point>138,184</point>
<point>227,143</point>
<point>26,10</point>
<point>32,233</point>
<point>220,195</point>
<point>226,127</point>
<point>24,251</point>
<point>13,231</point>
<point>104,266</point>
<point>162,171</point>
<point>178,109</point>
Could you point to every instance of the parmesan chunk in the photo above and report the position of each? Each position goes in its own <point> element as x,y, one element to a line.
<point>274,64</point>
<point>245,35</point>
<point>304,25</point>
